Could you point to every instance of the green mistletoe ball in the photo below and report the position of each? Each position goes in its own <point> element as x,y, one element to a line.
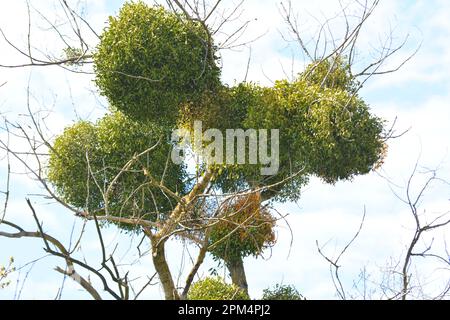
<point>150,61</point>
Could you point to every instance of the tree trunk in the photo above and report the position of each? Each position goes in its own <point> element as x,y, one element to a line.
<point>237,273</point>
<point>159,258</point>
<point>162,268</point>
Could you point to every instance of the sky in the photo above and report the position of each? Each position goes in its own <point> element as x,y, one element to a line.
<point>418,96</point>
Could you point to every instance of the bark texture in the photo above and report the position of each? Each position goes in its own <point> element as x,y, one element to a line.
<point>165,276</point>
<point>237,273</point>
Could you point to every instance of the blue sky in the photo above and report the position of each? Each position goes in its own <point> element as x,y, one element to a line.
<point>418,95</point>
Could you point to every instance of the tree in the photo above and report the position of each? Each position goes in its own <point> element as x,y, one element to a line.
<point>398,280</point>
<point>159,70</point>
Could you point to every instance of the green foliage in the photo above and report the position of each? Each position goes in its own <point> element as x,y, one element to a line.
<point>266,110</point>
<point>347,138</point>
<point>225,109</point>
<point>87,157</point>
<point>245,229</point>
<point>325,128</point>
<point>332,73</point>
<point>150,61</point>
<point>216,289</point>
<point>68,169</point>
<point>158,70</point>
<point>327,131</point>
<point>282,292</point>
<point>4,272</point>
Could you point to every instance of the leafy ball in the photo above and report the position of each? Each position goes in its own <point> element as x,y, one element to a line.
<point>347,138</point>
<point>88,167</point>
<point>329,132</point>
<point>216,289</point>
<point>150,60</point>
<point>245,229</point>
<point>68,170</point>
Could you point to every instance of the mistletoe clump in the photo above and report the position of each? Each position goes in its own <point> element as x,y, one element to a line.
<point>97,167</point>
<point>282,292</point>
<point>216,289</point>
<point>150,61</point>
<point>324,131</point>
<point>245,228</point>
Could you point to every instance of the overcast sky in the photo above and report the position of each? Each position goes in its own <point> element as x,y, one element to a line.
<point>418,95</point>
